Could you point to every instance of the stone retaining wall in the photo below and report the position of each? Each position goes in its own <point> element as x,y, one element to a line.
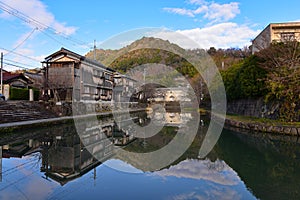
<point>260,127</point>
<point>253,108</point>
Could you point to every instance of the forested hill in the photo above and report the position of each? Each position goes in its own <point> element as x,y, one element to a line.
<point>151,50</point>
<point>143,51</point>
<point>154,50</point>
<point>107,56</point>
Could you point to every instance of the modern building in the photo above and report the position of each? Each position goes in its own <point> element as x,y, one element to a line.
<point>70,76</point>
<point>276,32</point>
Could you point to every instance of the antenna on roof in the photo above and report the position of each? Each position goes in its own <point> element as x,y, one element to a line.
<point>95,50</point>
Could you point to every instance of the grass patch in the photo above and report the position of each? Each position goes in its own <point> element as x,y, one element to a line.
<point>249,119</point>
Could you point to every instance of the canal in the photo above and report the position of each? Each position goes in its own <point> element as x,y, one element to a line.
<point>58,163</point>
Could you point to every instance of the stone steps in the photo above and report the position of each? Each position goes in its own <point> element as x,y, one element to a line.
<point>14,111</point>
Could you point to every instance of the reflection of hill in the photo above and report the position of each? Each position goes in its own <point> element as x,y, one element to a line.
<point>218,172</point>
<point>160,140</point>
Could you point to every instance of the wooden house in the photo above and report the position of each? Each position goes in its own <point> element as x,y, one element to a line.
<point>72,77</point>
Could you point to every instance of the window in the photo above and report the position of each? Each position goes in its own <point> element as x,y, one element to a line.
<point>56,65</point>
<point>86,89</point>
<point>287,36</point>
<point>98,72</point>
<point>107,76</point>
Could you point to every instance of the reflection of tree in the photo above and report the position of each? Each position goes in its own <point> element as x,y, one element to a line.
<point>269,167</point>
<point>155,142</point>
<point>148,91</point>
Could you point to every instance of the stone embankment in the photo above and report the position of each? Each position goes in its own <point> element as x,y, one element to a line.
<point>17,111</point>
<point>20,115</point>
<point>267,127</point>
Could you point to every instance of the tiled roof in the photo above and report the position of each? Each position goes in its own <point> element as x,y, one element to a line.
<point>8,77</point>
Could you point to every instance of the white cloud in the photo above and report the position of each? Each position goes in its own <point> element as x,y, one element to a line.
<point>202,9</point>
<point>197,2</point>
<point>180,11</point>
<point>222,12</point>
<point>218,32</point>
<point>38,16</point>
<point>222,35</point>
<point>209,10</point>
<point>36,10</point>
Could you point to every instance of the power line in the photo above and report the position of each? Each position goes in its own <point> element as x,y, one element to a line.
<point>52,37</point>
<point>22,42</point>
<point>10,64</point>
<point>21,63</point>
<point>13,52</point>
<point>39,25</point>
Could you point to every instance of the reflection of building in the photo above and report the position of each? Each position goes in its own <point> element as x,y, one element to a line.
<point>172,118</point>
<point>171,95</point>
<point>17,149</point>
<point>278,32</point>
<point>71,156</point>
<point>64,154</point>
<point>123,132</point>
<point>67,72</point>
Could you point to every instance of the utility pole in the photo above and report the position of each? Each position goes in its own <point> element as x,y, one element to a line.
<point>1,89</point>
<point>0,164</point>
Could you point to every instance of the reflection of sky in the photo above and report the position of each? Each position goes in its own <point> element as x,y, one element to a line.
<point>21,179</point>
<point>217,172</point>
<point>190,179</point>
<point>122,166</point>
<point>216,180</point>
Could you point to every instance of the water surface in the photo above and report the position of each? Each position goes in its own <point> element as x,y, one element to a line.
<point>55,163</point>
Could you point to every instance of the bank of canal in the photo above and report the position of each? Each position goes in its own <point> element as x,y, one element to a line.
<point>262,125</point>
<point>16,126</point>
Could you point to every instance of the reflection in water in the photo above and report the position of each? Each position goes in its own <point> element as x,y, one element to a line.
<point>33,162</point>
<point>217,172</point>
<point>171,118</point>
<point>269,165</point>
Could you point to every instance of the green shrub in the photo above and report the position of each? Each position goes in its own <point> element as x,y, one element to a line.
<point>245,80</point>
<point>22,94</point>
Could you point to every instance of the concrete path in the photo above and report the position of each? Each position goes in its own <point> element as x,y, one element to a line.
<point>58,119</point>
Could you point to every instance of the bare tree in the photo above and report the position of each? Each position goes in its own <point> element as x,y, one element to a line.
<point>282,61</point>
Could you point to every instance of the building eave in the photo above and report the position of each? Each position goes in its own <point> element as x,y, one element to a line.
<point>73,55</point>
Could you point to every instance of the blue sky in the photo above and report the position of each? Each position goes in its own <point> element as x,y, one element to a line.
<point>76,24</point>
